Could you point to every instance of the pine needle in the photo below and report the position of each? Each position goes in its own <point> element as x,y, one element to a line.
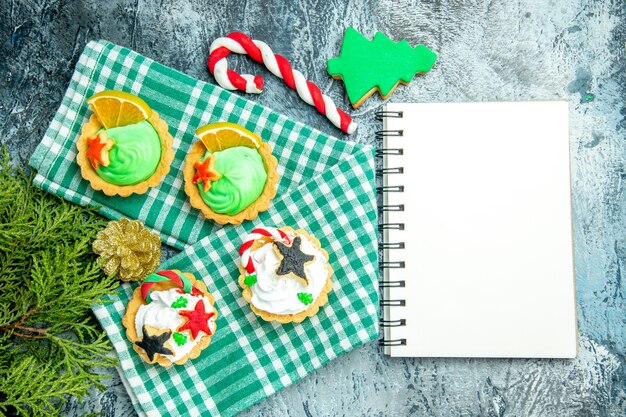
<point>49,340</point>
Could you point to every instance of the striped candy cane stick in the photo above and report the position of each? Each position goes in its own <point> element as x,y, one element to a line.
<point>179,279</point>
<point>258,233</point>
<point>278,65</point>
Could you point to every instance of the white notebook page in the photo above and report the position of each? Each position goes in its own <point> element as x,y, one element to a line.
<point>488,232</point>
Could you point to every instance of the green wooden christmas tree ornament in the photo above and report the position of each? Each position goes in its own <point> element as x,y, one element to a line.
<point>378,65</point>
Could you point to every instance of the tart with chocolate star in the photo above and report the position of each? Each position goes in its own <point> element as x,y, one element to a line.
<point>171,318</point>
<point>125,148</point>
<point>285,274</point>
<point>230,173</point>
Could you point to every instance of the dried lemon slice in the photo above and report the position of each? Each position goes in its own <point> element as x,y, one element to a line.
<point>117,108</point>
<point>224,135</point>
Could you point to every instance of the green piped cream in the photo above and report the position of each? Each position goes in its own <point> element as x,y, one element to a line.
<point>242,180</point>
<point>135,155</point>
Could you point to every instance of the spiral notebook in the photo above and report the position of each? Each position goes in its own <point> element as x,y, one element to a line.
<point>478,254</point>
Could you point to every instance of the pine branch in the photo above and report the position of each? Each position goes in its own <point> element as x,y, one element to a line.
<point>27,378</point>
<point>49,340</point>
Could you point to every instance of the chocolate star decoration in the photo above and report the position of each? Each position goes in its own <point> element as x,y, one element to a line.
<point>294,259</point>
<point>155,343</point>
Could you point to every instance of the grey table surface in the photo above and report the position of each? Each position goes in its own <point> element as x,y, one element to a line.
<point>488,51</point>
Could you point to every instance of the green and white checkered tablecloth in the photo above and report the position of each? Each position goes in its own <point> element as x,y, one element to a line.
<point>326,187</point>
<point>185,104</point>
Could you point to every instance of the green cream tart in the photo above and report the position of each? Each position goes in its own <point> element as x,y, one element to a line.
<point>134,156</point>
<point>242,180</point>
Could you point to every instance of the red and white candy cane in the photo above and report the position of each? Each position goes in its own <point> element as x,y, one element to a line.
<point>278,65</point>
<point>258,233</point>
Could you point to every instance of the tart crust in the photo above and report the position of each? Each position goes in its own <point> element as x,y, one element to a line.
<point>261,204</point>
<point>89,173</point>
<point>312,309</point>
<point>137,301</point>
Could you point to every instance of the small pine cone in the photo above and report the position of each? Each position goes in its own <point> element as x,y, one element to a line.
<point>128,250</point>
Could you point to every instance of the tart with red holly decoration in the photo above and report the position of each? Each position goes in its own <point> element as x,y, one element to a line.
<point>171,318</point>
<point>230,173</point>
<point>125,148</point>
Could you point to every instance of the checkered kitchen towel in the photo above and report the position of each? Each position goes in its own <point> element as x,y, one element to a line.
<point>185,104</point>
<point>327,188</point>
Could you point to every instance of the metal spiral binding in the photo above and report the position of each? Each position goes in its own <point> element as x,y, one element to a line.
<point>381,114</point>
<point>388,171</point>
<point>392,207</point>
<point>393,323</point>
<point>395,342</point>
<point>383,133</point>
<point>390,189</point>
<point>393,303</point>
<point>382,152</point>
<point>391,226</point>
<point>389,151</point>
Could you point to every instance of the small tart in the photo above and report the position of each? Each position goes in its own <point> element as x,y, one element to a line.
<point>170,318</point>
<point>198,154</point>
<point>91,129</point>
<point>285,274</point>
